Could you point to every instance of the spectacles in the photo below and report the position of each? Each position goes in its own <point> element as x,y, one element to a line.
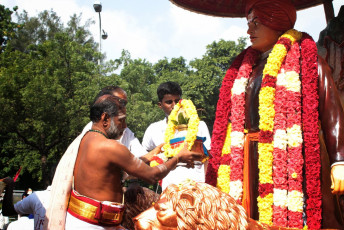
<point>171,101</point>
<point>121,101</point>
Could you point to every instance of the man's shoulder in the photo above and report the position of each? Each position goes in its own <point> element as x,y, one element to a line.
<point>157,124</point>
<point>128,133</point>
<point>203,125</point>
<point>94,146</point>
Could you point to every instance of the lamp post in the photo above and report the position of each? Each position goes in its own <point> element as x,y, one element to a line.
<point>98,8</point>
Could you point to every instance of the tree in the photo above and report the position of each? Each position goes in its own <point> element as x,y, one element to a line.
<point>7,26</point>
<point>204,84</point>
<point>46,87</point>
<point>49,76</point>
<point>200,82</point>
<point>137,79</point>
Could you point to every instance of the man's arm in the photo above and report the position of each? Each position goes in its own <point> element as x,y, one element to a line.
<point>148,157</point>
<point>136,167</point>
<point>7,202</point>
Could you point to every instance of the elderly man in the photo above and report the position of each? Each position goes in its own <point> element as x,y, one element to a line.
<point>268,151</point>
<point>96,199</point>
<point>128,138</point>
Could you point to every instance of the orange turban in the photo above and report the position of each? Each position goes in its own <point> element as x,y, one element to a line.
<point>275,14</point>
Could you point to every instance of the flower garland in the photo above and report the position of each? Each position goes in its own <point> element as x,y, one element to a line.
<point>287,169</point>
<point>237,127</point>
<point>295,140</point>
<point>221,122</point>
<point>280,155</point>
<point>190,137</point>
<point>266,123</point>
<point>272,130</point>
<point>224,169</point>
<point>310,117</point>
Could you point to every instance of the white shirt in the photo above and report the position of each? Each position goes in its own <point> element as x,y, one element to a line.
<point>36,204</point>
<point>128,139</point>
<point>154,136</point>
<point>23,223</point>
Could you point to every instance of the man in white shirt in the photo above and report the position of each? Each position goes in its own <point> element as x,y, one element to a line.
<point>169,94</point>
<point>36,204</point>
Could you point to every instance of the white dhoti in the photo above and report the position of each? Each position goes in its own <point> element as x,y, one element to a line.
<point>73,223</point>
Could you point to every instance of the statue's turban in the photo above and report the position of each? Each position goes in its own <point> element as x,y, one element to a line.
<point>276,14</point>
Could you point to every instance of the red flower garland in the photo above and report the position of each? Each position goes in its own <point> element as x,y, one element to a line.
<point>222,117</point>
<point>280,170</point>
<point>310,117</point>
<point>237,118</point>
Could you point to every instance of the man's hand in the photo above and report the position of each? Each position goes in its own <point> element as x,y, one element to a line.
<point>187,156</point>
<point>148,157</point>
<point>337,178</point>
<point>130,195</point>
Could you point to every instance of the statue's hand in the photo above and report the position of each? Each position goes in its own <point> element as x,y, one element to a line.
<point>337,178</point>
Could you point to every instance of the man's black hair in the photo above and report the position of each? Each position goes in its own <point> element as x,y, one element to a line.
<point>104,104</point>
<point>168,88</point>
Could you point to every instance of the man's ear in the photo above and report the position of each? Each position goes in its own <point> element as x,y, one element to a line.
<point>105,118</point>
<point>159,104</point>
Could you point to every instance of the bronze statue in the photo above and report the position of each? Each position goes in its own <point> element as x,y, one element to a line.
<point>196,205</point>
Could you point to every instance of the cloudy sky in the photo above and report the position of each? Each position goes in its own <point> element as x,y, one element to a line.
<point>154,29</point>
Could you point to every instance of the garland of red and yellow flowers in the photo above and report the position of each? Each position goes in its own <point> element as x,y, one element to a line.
<point>276,204</point>
<point>190,137</point>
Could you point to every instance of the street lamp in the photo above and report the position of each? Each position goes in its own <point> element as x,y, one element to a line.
<point>98,8</point>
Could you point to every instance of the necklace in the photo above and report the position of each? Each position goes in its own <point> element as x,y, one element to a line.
<point>98,131</point>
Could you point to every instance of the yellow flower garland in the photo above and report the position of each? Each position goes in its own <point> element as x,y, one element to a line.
<point>192,131</point>
<point>224,170</point>
<point>266,123</point>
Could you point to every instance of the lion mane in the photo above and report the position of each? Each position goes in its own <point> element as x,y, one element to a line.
<point>202,206</point>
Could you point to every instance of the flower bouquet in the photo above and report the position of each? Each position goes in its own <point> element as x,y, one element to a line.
<point>182,127</point>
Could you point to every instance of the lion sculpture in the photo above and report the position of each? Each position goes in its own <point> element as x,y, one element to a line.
<point>198,206</point>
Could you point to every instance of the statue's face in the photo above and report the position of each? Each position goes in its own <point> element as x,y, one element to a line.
<point>160,216</point>
<point>262,37</point>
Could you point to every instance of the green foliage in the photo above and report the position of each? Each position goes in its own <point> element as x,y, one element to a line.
<point>49,76</point>
<point>7,26</point>
<point>45,94</point>
<point>181,120</point>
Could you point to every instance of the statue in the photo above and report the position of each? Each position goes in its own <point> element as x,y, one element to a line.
<point>331,48</point>
<point>196,205</point>
<point>277,138</point>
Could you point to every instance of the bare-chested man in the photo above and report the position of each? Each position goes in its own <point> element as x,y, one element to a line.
<point>97,197</point>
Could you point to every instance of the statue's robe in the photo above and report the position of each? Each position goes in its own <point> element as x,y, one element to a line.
<point>331,143</point>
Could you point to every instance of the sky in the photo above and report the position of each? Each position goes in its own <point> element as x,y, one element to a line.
<point>155,29</point>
